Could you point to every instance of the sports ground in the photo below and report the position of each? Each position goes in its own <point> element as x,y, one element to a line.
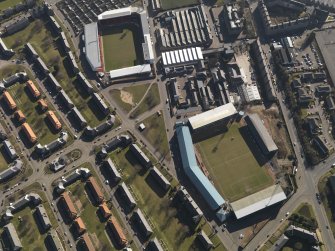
<point>232,166</point>
<point>121,47</point>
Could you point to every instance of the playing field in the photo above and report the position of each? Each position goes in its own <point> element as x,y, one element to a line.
<point>232,166</point>
<point>173,4</point>
<point>121,47</point>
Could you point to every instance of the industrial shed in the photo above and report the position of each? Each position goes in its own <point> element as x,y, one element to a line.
<point>260,134</point>
<point>193,172</point>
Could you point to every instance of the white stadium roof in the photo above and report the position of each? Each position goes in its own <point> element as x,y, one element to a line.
<point>92,48</point>
<point>115,13</point>
<point>128,71</point>
<point>212,116</point>
<point>258,201</point>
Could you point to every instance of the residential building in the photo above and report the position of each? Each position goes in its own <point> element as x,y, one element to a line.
<point>140,155</point>
<point>79,226</point>
<point>141,223</point>
<point>10,150</point>
<point>104,210</point>
<point>29,133</point>
<point>20,116</point>
<point>95,190</point>
<point>9,100</point>
<point>69,207</point>
<point>43,217</point>
<point>54,120</point>
<point>15,243</point>
<point>117,231</point>
<point>33,90</point>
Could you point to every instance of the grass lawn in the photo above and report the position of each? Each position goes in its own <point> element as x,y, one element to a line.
<point>4,4</point>
<point>232,166</point>
<point>88,213</point>
<point>155,133</point>
<point>327,198</point>
<point>50,50</point>
<point>121,47</point>
<point>305,210</point>
<point>3,162</point>
<point>150,101</point>
<point>38,122</point>
<point>173,4</point>
<point>157,209</point>
<point>128,97</point>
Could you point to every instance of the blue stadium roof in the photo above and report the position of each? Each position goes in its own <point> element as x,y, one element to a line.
<point>192,170</point>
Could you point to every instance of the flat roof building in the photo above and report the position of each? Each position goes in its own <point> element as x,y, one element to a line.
<point>29,133</point>
<point>11,170</point>
<point>9,100</point>
<point>42,65</point>
<point>112,170</point>
<point>79,117</point>
<point>15,243</point>
<point>160,178</point>
<point>260,134</point>
<point>70,210</point>
<point>54,83</point>
<point>142,223</point>
<point>54,120</point>
<point>73,62</point>
<point>54,241</point>
<point>66,99</point>
<point>95,189</point>
<point>154,245</point>
<point>43,217</point>
<point>10,150</point>
<point>205,241</point>
<point>126,195</point>
<point>83,80</point>
<point>33,89</point>
<point>101,103</point>
<point>31,50</point>
<point>117,231</point>
<point>140,155</point>
<point>92,46</point>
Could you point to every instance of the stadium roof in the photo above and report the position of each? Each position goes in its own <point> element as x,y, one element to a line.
<point>193,172</point>
<point>262,132</point>
<point>92,49</point>
<point>128,71</point>
<point>258,201</point>
<point>212,116</point>
<point>115,13</point>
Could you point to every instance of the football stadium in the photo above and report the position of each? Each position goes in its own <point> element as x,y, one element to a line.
<point>119,43</point>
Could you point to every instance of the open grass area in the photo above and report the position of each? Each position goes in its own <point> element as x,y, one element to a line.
<point>129,96</point>
<point>88,213</point>
<point>174,4</point>
<point>232,166</point>
<point>4,4</point>
<point>49,48</point>
<point>161,215</point>
<point>121,47</point>
<point>155,133</point>
<point>305,210</point>
<point>38,121</point>
<point>150,101</point>
<point>327,198</point>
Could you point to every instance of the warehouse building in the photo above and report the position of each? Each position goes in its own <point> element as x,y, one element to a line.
<point>117,231</point>
<point>261,134</point>
<point>95,190</point>
<point>31,136</point>
<point>182,57</point>
<point>212,121</point>
<point>140,155</point>
<point>142,223</point>
<point>193,172</point>
<point>15,243</point>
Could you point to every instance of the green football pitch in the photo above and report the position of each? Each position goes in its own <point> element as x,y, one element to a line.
<point>232,166</point>
<point>122,47</point>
